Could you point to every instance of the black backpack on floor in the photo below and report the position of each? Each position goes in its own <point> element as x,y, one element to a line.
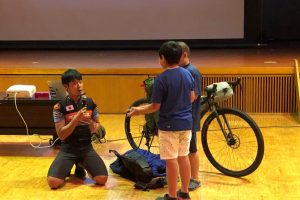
<point>133,166</point>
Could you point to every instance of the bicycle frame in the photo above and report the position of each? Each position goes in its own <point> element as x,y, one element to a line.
<point>227,125</point>
<point>212,106</point>
<point>207,104</point>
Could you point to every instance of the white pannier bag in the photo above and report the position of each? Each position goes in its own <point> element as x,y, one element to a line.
<point>223,91</point>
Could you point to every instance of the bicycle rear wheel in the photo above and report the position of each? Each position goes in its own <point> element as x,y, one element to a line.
<point>242,152</point>
<point>141,131</point>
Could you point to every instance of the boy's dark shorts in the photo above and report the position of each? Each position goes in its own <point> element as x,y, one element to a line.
<point>193,143</point>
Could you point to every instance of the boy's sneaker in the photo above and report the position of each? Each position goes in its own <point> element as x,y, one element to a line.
<point>183,195</point>
<point>79,171</point>
<point>166,197</point>
<point>194,184</point>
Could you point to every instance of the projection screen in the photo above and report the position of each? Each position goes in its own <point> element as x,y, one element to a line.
<point>47,20</point>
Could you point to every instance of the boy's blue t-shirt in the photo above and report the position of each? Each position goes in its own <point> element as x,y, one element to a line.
<point>172,89</point>
<point>197,103</point>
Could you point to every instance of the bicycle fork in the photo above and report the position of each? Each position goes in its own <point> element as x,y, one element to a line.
<point>229,137</point>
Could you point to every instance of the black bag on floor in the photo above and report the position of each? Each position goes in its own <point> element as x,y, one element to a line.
<point>133,166</point>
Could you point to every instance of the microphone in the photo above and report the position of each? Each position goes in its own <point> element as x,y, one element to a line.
<point>84,104</point>
<point>83,99</point>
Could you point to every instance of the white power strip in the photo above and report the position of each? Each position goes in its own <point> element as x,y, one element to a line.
<point>21,91</point>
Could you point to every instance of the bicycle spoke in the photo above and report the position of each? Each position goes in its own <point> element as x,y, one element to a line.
<point>237,149</point>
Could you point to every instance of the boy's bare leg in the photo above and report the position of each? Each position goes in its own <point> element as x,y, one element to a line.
<point>185,175</point>
<point>194,162</point>
<point>172,176</point>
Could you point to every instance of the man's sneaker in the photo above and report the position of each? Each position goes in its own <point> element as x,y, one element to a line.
<point>194,184</point>
<point>79,171</point>
<point>183,196</point>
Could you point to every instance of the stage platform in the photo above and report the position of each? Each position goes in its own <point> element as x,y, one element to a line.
<point>113,77</point>
<point>261,60</point>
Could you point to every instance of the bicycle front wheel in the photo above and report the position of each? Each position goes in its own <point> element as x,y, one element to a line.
<point>141,130</point>
<point>241,151</point>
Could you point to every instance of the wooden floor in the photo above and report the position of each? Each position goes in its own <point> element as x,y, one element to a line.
<point>23,169</point>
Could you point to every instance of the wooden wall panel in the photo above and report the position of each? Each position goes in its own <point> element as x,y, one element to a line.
<point>115,93</point>
<point>260,93</point>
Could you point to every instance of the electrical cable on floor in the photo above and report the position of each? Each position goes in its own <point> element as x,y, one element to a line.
<point>27,132</point>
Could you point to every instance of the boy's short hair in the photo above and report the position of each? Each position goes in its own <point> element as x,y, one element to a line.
<point>70,75</point>
<point>171,51</point>
<point>185,47</point>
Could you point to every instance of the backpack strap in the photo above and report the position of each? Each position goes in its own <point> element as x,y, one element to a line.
<point>115,152</point>
<point>158,182</point>
<point>141,185</point>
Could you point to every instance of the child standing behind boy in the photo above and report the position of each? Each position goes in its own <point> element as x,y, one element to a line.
<point>193,156</point>
<point>173,94</point>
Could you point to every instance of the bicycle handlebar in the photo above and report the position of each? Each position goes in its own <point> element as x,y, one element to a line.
<point>233,84</point>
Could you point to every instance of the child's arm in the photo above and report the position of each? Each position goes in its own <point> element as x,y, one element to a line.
<point>148,108</point>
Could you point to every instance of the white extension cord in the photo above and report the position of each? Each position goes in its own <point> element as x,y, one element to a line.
<point>27,132</point>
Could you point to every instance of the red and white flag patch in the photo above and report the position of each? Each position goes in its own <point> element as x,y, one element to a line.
<point>69,107</point>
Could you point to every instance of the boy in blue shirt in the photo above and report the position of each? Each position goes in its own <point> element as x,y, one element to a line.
<point>193,156</point>
<point>173,94</point>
